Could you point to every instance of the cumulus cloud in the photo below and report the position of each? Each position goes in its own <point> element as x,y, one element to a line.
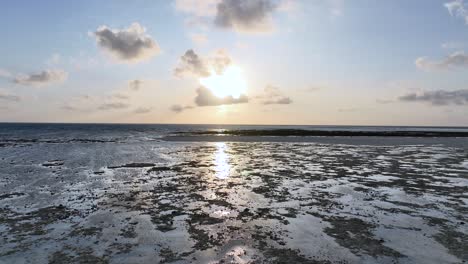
<point>205,97</point>
<point>42,78</point>
<point>179,108</point>
<point>458,8</point>
<point>273,95</point>
<point>191,64</point>
<point>438,97</point>
<point>128,45</point>
<point>113,106</point>
<point>4,96</point>
<point>455,60</point>
<point>142,110</point>
<point>245,15</point>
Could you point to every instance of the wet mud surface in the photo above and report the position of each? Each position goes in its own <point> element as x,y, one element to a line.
<point>236,202</point>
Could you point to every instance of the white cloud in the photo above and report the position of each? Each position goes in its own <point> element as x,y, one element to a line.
<point>455,60</point>
<point>42,78</point>
<point>458,8</point>
<point>129,45</point>
<point>453,45</point>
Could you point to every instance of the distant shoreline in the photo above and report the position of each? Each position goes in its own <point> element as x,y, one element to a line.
<point>324,133</point>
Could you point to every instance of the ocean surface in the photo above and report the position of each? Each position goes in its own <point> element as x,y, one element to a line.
<point>89,193</point>
<point>143,132</point>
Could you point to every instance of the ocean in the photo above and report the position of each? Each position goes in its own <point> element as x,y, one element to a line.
<point>121,193</point>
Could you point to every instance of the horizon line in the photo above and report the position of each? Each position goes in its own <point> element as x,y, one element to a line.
<point>215,124</point>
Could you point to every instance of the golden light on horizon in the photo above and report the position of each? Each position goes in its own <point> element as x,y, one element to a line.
<point>230,83</point>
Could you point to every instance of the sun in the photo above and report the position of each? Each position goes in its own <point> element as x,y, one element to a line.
<point>230,83</point>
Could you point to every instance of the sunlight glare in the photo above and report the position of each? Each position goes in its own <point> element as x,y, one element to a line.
<point>230,83</point>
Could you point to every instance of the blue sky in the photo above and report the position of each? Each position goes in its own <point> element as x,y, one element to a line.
<point>357,62</point>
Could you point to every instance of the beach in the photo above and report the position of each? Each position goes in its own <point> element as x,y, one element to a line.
<point>132,195</point>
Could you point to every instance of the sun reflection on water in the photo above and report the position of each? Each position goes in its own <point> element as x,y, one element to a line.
<point>221,160</point>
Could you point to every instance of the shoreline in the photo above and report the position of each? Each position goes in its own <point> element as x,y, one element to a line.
<point>327,133</point>
<point>369,141</point>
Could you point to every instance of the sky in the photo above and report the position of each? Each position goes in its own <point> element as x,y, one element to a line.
<point>309,62</point>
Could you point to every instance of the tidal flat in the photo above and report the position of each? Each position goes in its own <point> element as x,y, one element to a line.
<point>156,201</point>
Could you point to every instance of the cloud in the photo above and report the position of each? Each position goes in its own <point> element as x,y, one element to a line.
<point>179,108</point>
<point>9,97</point>
<point>281,100</point>
<point>142,110</point>
<point>455,60</point>
<point>135,85</point>
<point>129,45</point>
<point>191,64</point>
<point>112,106</point>
<point>438,97</point>
<point>201,8</point>
<point>220,61</point>
<point>247,16</point>
<point>42,78</point>
<point>273,95</point>
<point>453,45</point>
<point>205,97</point>
<point>458,8</point>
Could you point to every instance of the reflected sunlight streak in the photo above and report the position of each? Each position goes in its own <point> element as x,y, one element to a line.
<point>221,160</point>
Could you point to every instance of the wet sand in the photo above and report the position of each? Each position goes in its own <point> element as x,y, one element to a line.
<point>256,201</point>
